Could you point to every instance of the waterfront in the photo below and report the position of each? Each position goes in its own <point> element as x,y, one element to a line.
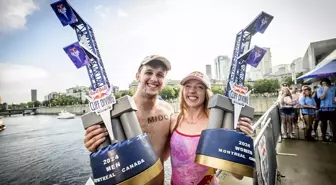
<point>45,150</point>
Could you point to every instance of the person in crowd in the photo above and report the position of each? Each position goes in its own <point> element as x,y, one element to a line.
<point>308,104</point>
<point>316,117</point>
<point>151,76</point>
<point>186,130</point>
<point>287,104</point>
<point>326,93</point>
<point>296,109</point>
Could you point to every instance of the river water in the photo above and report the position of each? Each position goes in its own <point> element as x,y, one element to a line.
<point>45,150</point>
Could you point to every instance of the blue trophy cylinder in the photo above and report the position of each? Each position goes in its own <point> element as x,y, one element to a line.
<point>226,150</point>
<point>132,161</point>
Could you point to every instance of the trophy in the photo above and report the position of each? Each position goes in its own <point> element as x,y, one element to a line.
<point>127,157</point>
<point>221,145</point>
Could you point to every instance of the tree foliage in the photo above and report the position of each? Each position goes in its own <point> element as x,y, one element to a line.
<point>217,90</point>
<point>169,93</point>
<point>265,86</point>
<point>290,81</point>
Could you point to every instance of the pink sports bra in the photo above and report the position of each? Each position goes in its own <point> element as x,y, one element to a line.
<point>184,169</point>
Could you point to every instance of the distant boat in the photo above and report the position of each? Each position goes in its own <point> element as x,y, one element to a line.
<point>65,115</point>
<point>2,126</point>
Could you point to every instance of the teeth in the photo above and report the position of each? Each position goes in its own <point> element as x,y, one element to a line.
<point>151,85</point>
<point>192,98</point>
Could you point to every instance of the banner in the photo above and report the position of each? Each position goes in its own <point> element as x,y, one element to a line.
<point>262,23</point>
<point>77,55</point>
<point>255,56</point>
<point>64,12</point>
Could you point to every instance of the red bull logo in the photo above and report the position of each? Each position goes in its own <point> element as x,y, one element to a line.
<point>198,74</point>
<point>240,88</point>
<point>99,92</point>
<point>60,6</point>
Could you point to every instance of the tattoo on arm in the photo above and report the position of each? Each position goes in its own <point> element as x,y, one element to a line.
<point>157,118</point>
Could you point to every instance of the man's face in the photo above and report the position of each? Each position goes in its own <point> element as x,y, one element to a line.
<point>151,80</point>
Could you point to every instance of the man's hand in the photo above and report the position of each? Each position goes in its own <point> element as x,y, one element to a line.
<point>245,125</point>
<point>94,136</point>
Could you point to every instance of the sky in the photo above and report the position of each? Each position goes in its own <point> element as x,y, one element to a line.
<point>189,33</point>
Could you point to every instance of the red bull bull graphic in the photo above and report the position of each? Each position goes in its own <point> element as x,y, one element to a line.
<point>64,12</point>
<point>256,56</point>
<point>77,55</point>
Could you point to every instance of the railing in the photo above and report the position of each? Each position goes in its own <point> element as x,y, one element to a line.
<point>265,147</point>
<point>267,132</point>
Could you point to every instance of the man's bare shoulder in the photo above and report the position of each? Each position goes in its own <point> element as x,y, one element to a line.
<point>166,106</point>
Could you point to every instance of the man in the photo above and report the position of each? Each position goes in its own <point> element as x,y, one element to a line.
<point>317,117</point>
<point>151,77</point>
<point>327,94</point>
<point>296,111</point>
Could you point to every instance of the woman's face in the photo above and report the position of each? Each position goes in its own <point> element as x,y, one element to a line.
<point>194,92</point>
<point>307,92</point>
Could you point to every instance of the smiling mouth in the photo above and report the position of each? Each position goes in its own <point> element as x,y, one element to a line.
<point>192,98</point>
<point>152,85</point>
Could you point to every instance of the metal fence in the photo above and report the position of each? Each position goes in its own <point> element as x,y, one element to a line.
<point>265,144</point>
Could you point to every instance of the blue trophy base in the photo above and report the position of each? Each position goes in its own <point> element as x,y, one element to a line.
<point>128,162</point>
<point>226,150</point>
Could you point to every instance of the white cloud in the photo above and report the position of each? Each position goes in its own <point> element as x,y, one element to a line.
<point>121,13</point>
<point>13,13</point>
<point>102,11</point>
<point>10,73</point>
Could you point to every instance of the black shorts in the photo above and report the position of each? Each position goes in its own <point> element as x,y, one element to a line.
<point>286,111</point>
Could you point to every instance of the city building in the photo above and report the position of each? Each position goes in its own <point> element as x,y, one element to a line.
<point>254,74</point>
<point>222,66</point>
<point>208,71</point>
<point>265,65</point>
<point>281,69</point>
<point>33,95</point>
<point>52,95</point>
<point>78,92</point>
<point>319,52</point>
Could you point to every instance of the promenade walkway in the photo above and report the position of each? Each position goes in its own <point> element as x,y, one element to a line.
<point>301,162</point>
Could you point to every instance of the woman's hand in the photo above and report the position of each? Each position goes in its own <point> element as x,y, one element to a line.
<point>245,125</point>
<point>94,136</point>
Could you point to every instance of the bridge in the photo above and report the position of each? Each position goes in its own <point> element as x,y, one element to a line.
<point>23,111</point>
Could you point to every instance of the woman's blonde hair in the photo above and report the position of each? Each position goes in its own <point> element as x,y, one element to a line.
<point>184,106</point>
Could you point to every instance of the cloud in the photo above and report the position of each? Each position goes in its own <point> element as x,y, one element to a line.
<point>121,13</point>
<point>13,13</point>
<point>11,73</point>
<point>102,11</point>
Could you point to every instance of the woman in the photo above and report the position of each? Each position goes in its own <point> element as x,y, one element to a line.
<point>309,105</point>
<point>186,129</point>
<point>286,105</point>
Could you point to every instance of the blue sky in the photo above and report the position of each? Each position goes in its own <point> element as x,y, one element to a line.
<point>190,33</point>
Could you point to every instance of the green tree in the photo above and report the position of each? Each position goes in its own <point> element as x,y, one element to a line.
<point>217,90</point>
<point>249,86</point>
<point>36,103</point>
<point>266,86</point>
<point>30,104</point>
<point>176,92</point>
<point>290,81</point>
<point>167,93</point>
<point>117,95</point>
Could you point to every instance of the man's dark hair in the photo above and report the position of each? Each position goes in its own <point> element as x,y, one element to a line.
<point>154,64</point>
<point>326,80</point>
